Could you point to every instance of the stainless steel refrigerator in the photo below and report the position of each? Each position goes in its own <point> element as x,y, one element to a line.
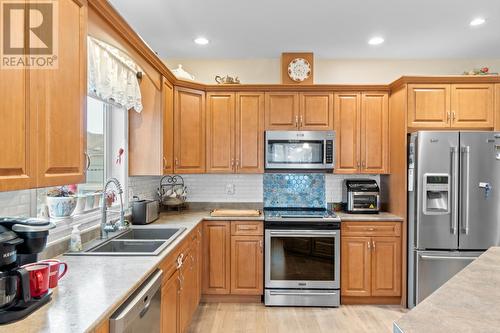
<point>453,205</point>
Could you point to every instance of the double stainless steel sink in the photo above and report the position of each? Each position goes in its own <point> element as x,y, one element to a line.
<point>136,241</point>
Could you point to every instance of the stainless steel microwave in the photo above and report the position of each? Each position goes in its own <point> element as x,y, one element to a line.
<point>300,150</point>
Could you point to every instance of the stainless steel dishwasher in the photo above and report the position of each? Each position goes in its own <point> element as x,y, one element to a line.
<point>141,312</point>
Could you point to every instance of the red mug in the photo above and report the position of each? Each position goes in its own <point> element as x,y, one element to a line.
<point>39,278</point>
<point>55,271</point>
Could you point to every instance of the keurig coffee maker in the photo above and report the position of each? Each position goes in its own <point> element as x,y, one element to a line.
<point>21,239</point>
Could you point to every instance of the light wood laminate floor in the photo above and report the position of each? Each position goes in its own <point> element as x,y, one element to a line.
<point>246,318</point>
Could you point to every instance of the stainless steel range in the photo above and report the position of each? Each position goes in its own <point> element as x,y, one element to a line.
<point>302,257</point>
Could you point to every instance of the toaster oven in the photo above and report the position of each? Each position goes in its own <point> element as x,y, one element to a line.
<point>361,196</point>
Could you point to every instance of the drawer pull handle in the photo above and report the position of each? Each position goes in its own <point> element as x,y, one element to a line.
<point>371,229</point>
<point>247,228</point>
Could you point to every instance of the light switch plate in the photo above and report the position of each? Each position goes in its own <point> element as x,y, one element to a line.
<point>230,189</point>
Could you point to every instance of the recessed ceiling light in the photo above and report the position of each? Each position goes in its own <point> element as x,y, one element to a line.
<point>201,41</point>
<point>376,41</point>
<point>477,21</point>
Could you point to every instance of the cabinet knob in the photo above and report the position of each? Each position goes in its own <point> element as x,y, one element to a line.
<point>368,245</point>
<point>453,116</point>
<point>296,121</point>
<point>301,122</point>
<point>176,161</point>
<point>373,242</point>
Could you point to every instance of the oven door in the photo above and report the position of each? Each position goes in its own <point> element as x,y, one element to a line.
<point>302,259</point>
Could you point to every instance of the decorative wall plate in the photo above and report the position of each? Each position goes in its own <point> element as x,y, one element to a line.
<point>299,69</point>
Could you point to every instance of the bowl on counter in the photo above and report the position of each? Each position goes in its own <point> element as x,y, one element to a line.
<point>61,206</point>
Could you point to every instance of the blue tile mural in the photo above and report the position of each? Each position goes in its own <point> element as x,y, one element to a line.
<point>304,190</point>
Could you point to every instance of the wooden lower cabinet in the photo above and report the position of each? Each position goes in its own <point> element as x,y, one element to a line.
<point>181,286</point>
<point>246,265</point>
<point>371,263</point>
<point>233,258</point>
<point>355,266</point>
<point>386,266</point>
<point>187,292</point>
<point>170,304</point>
<point>102,327</point>
<point>217,257</point>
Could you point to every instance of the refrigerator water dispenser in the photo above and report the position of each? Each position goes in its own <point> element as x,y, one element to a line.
<point>436,192</point>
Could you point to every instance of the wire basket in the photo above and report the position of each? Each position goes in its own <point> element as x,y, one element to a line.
<point>172,192</point>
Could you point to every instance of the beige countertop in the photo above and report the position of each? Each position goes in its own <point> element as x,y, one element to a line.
<point>468,302</point>
<point>95,286</point>
<point>381,216</point>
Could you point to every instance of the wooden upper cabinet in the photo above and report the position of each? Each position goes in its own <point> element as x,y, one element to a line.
<point>386,266</point>
<point>59,98</point>
<point>247,265</point>
<point>497,107</point>
<point>355,277</point>
<point>249,126</point>
<point>220,132</point>
<point>17,131</point>
<point>429,105</point>
<point>189,131</point>
<point>282,111</point>
<point>347,113</point>
<point>217,257</point>
<point>168,127</point>
<point>316,111</point>
<point>472,105</point>
<point>374,132</point>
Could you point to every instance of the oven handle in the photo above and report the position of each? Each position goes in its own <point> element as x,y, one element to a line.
<point>301,233</point>
<point>281,293</point>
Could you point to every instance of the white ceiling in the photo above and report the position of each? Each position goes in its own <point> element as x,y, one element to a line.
<point>413,29</point>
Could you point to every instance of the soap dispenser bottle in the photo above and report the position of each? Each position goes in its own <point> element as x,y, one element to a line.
<point>75,244</point>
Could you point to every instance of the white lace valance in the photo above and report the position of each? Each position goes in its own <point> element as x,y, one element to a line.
<point>112,75</point>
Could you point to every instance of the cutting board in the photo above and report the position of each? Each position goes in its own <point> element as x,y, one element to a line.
<point>235,213</point>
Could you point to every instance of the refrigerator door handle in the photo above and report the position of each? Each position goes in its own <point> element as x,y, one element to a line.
<point>454,189</point>
<point>465,150</point>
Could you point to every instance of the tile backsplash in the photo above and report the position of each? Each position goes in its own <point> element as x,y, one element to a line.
<point>231,187</point>
<point>304,190</point>
<point>16,203</point>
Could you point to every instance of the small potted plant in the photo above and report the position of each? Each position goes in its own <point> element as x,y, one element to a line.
<point>61,202</point>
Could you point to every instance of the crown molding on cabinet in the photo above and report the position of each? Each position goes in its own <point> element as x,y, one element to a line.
<point>117,22</point>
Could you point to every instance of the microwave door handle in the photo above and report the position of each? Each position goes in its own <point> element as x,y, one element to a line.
<point>324,152</point>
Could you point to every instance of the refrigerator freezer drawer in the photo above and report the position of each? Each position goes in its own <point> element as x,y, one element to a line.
<point>434,268</point>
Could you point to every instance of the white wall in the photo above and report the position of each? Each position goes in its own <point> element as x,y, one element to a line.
<point>329,70</point>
